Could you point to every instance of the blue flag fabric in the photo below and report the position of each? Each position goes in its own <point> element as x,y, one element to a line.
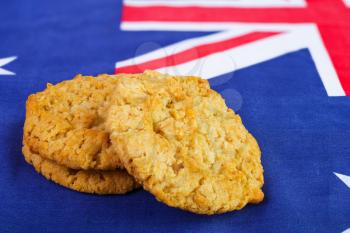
<point>304,134</point>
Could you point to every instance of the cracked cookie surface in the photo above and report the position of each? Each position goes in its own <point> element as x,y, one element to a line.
<point>183,144</point>
<point>88,181</point>
<point>65,122</point>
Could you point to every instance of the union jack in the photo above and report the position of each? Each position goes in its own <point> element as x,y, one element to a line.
<point>249,32</point>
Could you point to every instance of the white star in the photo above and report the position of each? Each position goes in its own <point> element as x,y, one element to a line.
<point>344,178</point>
<point>4,61</point>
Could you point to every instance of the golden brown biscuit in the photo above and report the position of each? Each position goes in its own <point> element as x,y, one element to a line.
<point>180,140</point>
<point>64,123</point>
<point>88,181</point>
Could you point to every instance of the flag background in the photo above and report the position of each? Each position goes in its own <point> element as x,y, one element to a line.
<point>304,134</point>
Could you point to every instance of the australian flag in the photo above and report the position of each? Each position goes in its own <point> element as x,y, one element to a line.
<point>282,65</point>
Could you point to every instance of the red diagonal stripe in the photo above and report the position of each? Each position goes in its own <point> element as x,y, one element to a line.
<point>195,52</point>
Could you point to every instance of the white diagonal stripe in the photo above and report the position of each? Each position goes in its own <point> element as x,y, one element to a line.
<point>182,45</point>
<point>212,66</point>
<point>347,3</point>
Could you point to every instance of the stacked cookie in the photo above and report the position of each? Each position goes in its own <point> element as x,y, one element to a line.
<point>173,135</point>
<point>65,139</point>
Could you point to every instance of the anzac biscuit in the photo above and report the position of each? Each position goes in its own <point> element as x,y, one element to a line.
<point>65,123</point>
<point>88,181</point>
<point>183,144</point>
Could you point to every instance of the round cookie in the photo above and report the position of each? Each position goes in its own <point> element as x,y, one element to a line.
<point>88,181</point>
<point>180,140</point>
<point>65,123</point>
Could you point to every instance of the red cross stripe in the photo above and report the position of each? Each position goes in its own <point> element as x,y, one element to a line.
<point>332,18</point>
